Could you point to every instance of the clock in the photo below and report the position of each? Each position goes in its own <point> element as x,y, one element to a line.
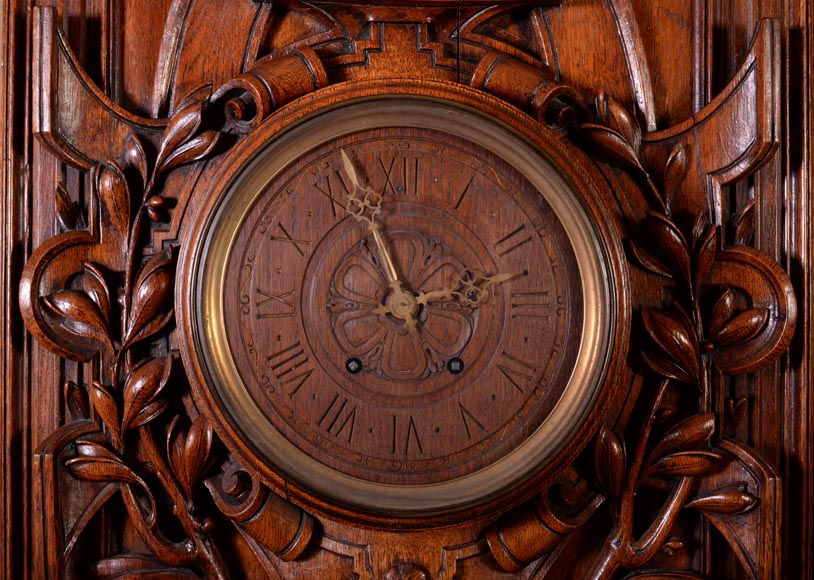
<point>399,303</point>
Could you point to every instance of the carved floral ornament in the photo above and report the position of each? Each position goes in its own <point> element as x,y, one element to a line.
<point>102,292</point>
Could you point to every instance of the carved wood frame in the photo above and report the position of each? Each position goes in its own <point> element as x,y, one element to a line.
<point>73,322</point>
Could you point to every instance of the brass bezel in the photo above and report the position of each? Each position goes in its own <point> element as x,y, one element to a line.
<point>208,273</point>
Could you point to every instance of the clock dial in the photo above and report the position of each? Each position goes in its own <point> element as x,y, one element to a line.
<point>401,307</point>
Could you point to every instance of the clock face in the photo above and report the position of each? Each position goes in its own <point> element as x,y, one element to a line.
<point>406,306</point>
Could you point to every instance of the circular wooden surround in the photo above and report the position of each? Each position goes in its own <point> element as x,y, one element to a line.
<point>403,301</point>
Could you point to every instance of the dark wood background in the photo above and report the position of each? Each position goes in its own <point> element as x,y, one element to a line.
<point>667,58</point>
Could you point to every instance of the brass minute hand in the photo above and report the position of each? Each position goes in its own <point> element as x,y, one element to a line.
<point>401,302</point>
<point>471,288</point>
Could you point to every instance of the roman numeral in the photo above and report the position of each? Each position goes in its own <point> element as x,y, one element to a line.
<point>530,305</point>
<point>516,370</point>
<point>468,418</point>
<point>512,241</point>
<point>464,192</point>
<point>278,305</point>
<point>286,237</point>
<point>401,178</point>
<point>339,418</point>
<point>291,367</point>
<point>328,192</point>
<point>407,441</point>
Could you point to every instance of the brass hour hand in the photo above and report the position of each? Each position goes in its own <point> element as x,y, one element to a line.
<point>471,288</point>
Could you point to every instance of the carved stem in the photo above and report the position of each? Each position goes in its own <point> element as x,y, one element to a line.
<point>704,361</point>
<point>618,549</point>
<point>159,546</point>
<point>203,552</point>
<point>129,274</point>
<point>655,536</point>
<point>632,480</point>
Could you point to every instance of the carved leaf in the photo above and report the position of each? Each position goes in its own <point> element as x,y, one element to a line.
<point>723,310</point>
<point>67,211</point>
<point>92,446</point>
<point>675,171</point>
<point>114,196</point>
<point>674,334</point>
<point>137,566</point>
<point>706,250</point>
<point>135,156</point>
<point>196,97</point>
<point>95,286</point>
<point>650,262</point>
<point>152,293</point>
<point>189,452</point>
<point>725,502</point>
<point>193,150</point>
<point>614,115</point>
<point>142,387</point>
<point>81,316</point>
<point>107,409</point>
<point>741,327</point>
<point>610,462</point>
<point>686,435</point>
<point>685,463</point>
<point>612,145</point>
<point>95,463</point>
<point>745,228</point>
<point>178,145</point>
<point>670,243</point>
<point>77,400</point>
<point>666,367</point>
<point>150,412</point>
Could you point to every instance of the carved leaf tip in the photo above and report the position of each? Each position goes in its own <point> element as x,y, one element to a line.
<point>741,327</point>
<point>182,143</point>
<point>610,461</point>
<point>77,400</point>
<point>615,116</point>
<point>68,212</point>
<point>193,150</point>
<point>114,197</point>
<point>142,392</point>
<point>745,226</point>
<point>96,463</point>
<point>688,434</point>
<point>683,463</point>
<point>80,316</point>
<point>613,145</point>
<point>675,170</point>
<point>96,287</point>
<point>136,157</point>
<point>679,354</point>
<point>724,502</point>
<point>705,246</point>
<point>668,241</point>
<point>108,410</point>
<point>153,290</point>
<point>190,451</point>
